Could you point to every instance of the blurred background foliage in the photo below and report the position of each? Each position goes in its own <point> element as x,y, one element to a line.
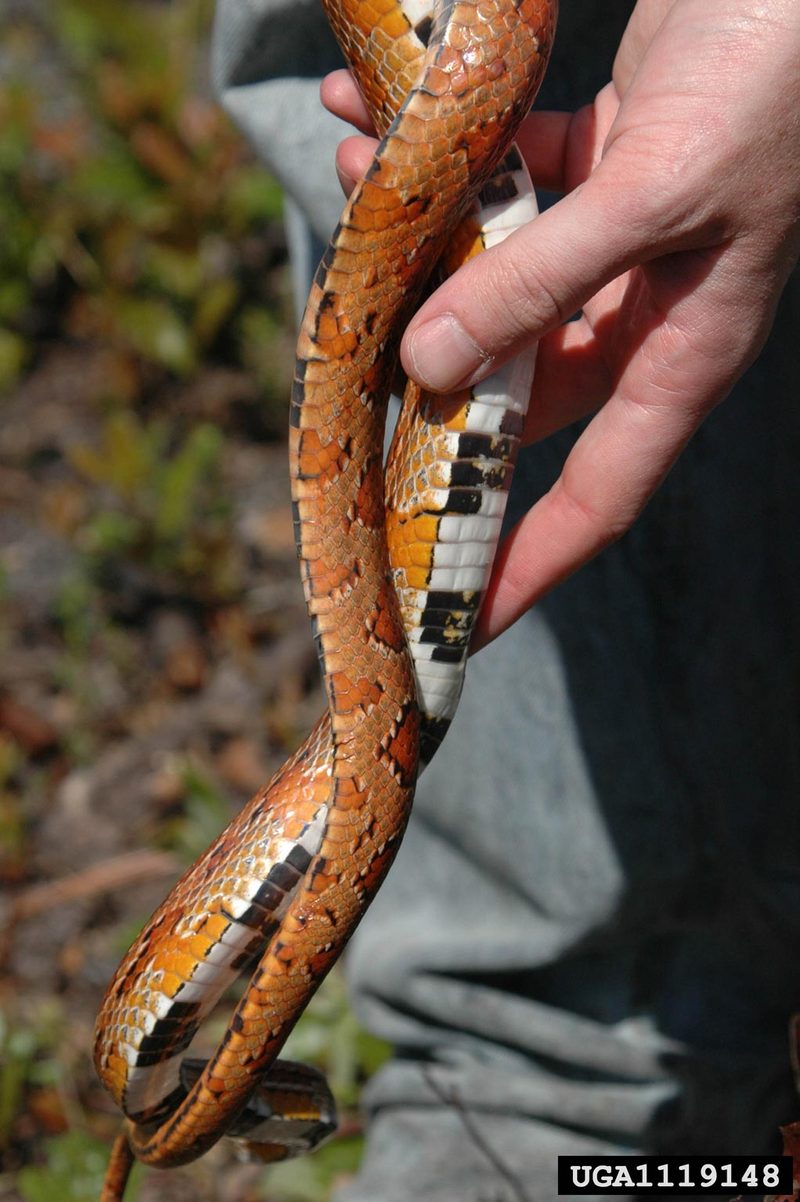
<point>155,663</point>
<point>131,214</point>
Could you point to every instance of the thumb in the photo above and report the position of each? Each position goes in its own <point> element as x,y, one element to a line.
<point>514,293</point>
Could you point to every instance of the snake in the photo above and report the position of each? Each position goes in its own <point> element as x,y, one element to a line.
<point>394,562</point>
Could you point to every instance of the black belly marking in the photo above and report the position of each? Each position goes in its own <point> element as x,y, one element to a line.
<point>423,29</point>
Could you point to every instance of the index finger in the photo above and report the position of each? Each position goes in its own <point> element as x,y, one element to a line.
<point>610,474</point>
<point>341,97</point>
<point>670,380</point>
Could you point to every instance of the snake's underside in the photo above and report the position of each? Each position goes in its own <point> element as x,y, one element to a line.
<point>393,573</point>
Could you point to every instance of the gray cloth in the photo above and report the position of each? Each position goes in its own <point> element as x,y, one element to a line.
<point>588,941</point>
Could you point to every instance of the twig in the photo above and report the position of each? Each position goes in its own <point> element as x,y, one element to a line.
<point>119,871</point>
<point>452,1099</point>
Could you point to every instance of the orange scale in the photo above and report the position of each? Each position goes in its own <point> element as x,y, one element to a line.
<point>425,171</point>
<point>458,421</point>
<point>394,59</point>
<point>396,530</point>
<point>198,948</point>
<point>350,242</point>
<point>459,37</point>
<point>321,882</point>
<point>340,283</point>
<point>394,23</point>
<point>341,346</point>
<point>417,577</point>
<point>420,556</point>
<point>438,477</point>
<point>361,220</point>
<point>410,249</point>
<point>426,457</point>
<point>414,130</point>
<point>410,50</point>
<point>350,791</point>
<point>170,981</point>
<point>294,826</point>
<point>437,81</point>
<point>327,325</point>
<point>425,528</point>
<point>366,15</point>
<point>373,193</point>
<point>385,218</point>
<point>284,952</point>
<point>215,925</point>
<point>399,213</point>
<point>117,1079</point>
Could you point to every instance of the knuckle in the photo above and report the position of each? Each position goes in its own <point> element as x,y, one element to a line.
<point>526,293</point>
<point>603,525</point>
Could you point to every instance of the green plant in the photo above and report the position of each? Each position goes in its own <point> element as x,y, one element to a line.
<point>86,631</point>
<point>312,1178</point>
<point>19,1048</point>
<point>165,508</point>
<point>128,202</point>
<point>204,814</point>
<point>37,1092</point>
<point>12,816</point>
<point>74,1171</point>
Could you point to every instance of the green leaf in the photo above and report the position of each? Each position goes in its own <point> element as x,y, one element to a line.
<point>205,814</point>
<point>76,610</point>
<point>91,28</point>
<point>311,1178</point>
<point>110,533</point>
<point>13,354</point>
<point>127,458</point>
<point>175,271</point>
<point>372,1052</point>
<point>180,479</point>
<point>18,1051</point>
<point>262,351</point>
<point>213,307</point>
<point>17,119</point>
<point>76,1165</point>
<point>79,30</point>
<point>253,197</point>
<point>154,329</point>
<point>15,295</point>
<point>113,181</point>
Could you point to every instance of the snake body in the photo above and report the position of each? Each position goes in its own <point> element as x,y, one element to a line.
<point>392,574</point>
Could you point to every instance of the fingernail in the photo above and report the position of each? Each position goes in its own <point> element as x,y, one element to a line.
<point>444,356</point>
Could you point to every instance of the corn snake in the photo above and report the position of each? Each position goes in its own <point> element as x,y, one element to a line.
<point>393,575</point>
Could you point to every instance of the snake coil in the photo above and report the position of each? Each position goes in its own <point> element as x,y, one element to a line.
<point>393,573</point>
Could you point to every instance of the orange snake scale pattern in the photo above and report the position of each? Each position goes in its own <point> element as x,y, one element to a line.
<point>392,573</point>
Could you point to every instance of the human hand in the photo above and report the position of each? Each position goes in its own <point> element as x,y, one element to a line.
<point>677,231</point>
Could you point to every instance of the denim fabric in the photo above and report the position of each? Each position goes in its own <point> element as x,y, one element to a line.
<point>588,940</point>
